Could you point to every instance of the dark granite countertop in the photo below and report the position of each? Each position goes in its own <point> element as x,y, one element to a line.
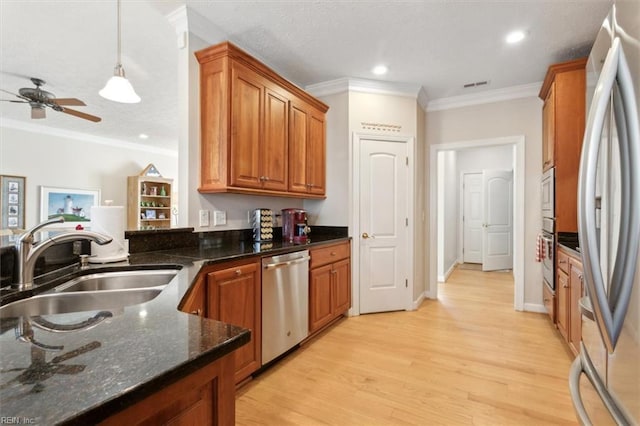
<point>140,349</point>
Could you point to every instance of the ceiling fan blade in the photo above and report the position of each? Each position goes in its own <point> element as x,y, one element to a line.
<point>37,112</point>
<point>16,95</point>
<point>68,101</point>
<point>11,100</point>
<point>81,115</point>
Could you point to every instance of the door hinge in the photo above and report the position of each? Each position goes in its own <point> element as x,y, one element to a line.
<point>407,160</point>
<point>406,221</point>
<point>406,283</point>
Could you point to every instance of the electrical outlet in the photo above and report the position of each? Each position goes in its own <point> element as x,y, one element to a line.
<point>219,217</point>
<point>204,218</point>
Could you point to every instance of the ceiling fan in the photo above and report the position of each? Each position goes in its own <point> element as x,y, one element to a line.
<point>39,99</point>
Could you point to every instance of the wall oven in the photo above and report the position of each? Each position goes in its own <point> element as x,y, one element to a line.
<point>548,259</point>
<point>548,228</point>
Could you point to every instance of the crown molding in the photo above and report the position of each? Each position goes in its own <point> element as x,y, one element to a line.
<point>203,28</point>
<point>69,134</point>
<point>347,84</point>
<point>489,96</point>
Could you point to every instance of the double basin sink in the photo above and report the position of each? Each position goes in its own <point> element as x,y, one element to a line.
<point>97,291</point>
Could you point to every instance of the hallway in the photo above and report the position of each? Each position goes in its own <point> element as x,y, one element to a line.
<point>467,358</point>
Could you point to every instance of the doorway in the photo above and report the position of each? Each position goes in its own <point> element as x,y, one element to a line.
<point>516,145</point>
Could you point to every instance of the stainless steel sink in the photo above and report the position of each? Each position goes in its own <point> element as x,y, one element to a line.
<point>119,280</point>
<point>63,303</point>
<point>98,291</point>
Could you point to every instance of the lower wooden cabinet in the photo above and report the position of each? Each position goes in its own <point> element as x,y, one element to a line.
<point>206,397</point>
<point>563,297</point>
<point>234,296</point>
<point>569,290</point>
<point>576,292</point>
<point>329,284</point>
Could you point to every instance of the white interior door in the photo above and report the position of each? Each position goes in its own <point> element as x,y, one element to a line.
<point>472,218</point>
<point>383,226</point>
<point>497,250</point>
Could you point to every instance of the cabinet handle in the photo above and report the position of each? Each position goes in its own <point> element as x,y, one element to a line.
<point>562,261</point>
<point>238,272</point>
<point>565,286</point>
<point>333,253</point>
<point>197,312</point>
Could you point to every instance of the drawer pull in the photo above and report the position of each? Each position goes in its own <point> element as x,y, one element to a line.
<point>238,272</point>
<point>333,253</point>
<point>562,261</point>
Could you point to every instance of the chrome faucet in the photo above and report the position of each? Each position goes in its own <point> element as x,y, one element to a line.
<point>27,253</point>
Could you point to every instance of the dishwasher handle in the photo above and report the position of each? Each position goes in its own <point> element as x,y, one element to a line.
<point>287,263</point>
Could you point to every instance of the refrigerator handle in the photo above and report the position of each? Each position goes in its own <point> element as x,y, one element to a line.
<point>582,364</point>
<point>609,313</point>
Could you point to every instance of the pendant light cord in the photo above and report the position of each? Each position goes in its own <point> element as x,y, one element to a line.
<point>119,43</point>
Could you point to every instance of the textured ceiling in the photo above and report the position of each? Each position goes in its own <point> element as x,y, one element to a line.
<point>438,44</point>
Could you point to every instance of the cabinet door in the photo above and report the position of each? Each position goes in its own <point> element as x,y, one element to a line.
<point>298,133</point>
<point>341,286</point>
<point>316,154</point>
<point>195,301</point>
<point>548,129</point>
<point>320,300</point>
<point>247,94</point>
<point>563,295</point>
<point>275,147</point>
<point>575,322</point>
<point>234,296</point>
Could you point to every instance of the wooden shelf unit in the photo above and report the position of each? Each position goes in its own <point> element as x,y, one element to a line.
<point>146,208</point>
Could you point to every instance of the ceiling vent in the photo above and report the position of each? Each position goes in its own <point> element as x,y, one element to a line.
<point>476,84</point>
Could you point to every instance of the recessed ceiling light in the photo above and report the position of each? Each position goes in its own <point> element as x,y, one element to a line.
<point>379,70</point>
<point>515,37</point>
<point>143,136</point>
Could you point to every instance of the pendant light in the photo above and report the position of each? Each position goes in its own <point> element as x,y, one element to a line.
<point>118,88</point>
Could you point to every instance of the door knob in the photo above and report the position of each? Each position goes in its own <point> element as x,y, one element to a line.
<point>365,235</point>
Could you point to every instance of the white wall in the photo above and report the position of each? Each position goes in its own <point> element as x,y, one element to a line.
<point>70,162</point>
<point>499,119</point>
<point>447,213</point>
<point>478,159</point>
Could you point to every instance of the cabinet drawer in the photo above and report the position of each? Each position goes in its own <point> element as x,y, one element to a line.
<point>563,261</point>
<point>323,255</point>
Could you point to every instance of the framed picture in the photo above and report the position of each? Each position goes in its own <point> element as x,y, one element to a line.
<point>151,214</point>
<point>74,205</point>
<point>12,196</point>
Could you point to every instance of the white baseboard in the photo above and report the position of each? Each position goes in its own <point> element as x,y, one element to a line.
<point>418,302</point>
<point>535,307</point>
<point>445,277</point>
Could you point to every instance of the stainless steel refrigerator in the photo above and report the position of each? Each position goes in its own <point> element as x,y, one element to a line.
<point>605,377</point>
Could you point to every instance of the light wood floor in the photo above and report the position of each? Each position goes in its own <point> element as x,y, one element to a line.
<point>465,359</point>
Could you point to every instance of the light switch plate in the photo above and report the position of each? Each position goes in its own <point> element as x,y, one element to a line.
<point>204,218</point>
<point>219,217</point>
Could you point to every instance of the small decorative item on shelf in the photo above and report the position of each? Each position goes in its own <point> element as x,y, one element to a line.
<point>144,189</point>
<point>163,192</point>
<point>151,214</point>
<point>161,216</point>
<point>154,190</point>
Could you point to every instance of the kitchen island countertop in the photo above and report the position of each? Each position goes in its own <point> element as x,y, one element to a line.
<point>84,376</point>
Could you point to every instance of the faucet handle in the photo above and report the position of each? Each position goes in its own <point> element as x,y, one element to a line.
<point>28,235</point>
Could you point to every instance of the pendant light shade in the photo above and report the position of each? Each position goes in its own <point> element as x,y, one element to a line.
<point>118,88</point>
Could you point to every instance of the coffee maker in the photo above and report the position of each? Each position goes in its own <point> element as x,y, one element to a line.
<point>294,226</point>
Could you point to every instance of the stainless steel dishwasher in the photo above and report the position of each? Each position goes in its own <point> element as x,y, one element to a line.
<point>285,303</point>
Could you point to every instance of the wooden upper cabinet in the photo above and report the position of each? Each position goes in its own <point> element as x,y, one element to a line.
<point>563,121</point>
<point>548,130</point>
<point>259,137</point>
<point>307,159</point>
<point>251,134</point>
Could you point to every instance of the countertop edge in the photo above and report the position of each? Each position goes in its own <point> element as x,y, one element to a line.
<point>139,393</point>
